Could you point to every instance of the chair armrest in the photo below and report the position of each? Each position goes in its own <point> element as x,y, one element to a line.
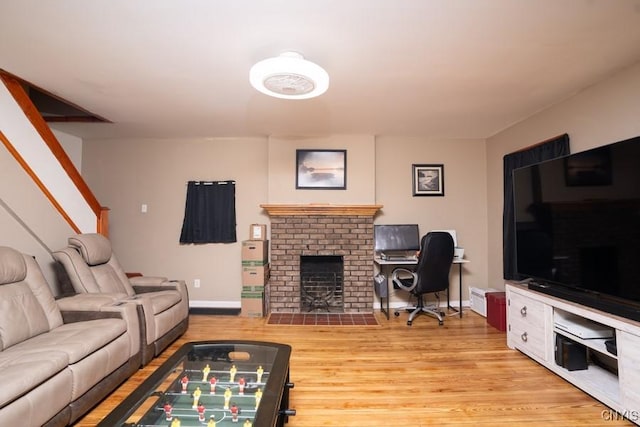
<point>404,279</point>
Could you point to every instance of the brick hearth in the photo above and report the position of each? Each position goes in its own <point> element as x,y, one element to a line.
<point>311,230</point>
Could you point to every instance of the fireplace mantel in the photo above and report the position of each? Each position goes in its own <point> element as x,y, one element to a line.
<point>320,209</point>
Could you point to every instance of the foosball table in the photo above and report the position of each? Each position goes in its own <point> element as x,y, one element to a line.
<point>213,384</point>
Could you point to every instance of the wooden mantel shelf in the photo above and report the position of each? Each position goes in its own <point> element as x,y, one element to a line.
<point>320,209</point>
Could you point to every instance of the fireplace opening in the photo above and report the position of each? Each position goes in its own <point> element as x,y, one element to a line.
<point>321,283</point>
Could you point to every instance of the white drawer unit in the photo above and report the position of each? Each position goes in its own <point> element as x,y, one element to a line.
<point>536,320</point>
<point>526,325</point>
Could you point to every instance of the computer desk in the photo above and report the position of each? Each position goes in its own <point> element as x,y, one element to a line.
<point>399,263</point>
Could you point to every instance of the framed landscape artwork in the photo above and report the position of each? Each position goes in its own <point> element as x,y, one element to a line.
<point>428,180</point>
<point>321,169</point>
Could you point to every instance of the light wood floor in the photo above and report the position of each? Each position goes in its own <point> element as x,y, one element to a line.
<point>460,374</point>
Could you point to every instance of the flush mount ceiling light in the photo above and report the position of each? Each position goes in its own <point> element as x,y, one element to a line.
<point>289,76</point>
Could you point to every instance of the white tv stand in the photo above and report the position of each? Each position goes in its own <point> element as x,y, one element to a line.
<point>531,318</point>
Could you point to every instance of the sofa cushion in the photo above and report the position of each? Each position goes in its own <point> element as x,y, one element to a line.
<point>162,300</point>
<point>21,315</point>
<point>77,340</point>
<point>40,288</point>
<point>22,371</point>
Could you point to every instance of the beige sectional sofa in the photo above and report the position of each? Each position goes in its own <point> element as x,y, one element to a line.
<point>58,358</point>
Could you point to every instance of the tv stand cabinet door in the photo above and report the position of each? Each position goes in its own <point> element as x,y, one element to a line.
<point>629,371</point>
<point>527,328</point>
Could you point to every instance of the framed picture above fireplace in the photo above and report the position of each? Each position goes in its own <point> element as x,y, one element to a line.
<point>321,169</point>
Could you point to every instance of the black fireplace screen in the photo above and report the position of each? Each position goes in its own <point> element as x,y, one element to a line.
<point>321,283</point>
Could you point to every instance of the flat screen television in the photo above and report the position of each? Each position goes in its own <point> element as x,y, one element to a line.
<point>392,238</point>
<point>577,227</point>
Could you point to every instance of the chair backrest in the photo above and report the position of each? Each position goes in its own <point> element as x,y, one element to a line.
<point>27,305</point>
<point>92,266</point>
<point>434,263</point>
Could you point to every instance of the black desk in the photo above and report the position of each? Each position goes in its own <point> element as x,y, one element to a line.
<point>396,263</point>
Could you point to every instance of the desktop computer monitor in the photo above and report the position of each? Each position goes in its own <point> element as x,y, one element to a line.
<point>396,238</point>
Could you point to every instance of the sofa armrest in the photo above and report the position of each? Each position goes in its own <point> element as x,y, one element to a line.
<point>178,285</point>
<point>147,280</point>
<point>88,302</point>
<point>85,307</point>
<point>142,289</point>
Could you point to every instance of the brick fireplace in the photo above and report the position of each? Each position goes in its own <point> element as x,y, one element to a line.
<point>321,230</point>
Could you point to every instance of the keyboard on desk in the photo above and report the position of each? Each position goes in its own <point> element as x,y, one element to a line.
<point>400,257</point>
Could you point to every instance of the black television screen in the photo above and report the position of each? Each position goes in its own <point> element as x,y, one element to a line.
<point>396,238</point>
<point>577,226</point>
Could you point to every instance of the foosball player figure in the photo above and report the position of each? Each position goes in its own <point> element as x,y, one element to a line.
<point>196,397</point>
<point>211,422</point>
<point>247,423</point>
<point>167,410</point>
<point>234,413</point>
<point>185,382</point>
<point>175,422</point>
<point>232,373</point>
<point>241,383</point>
<point>213,382</point>
<point>205,373</point>
<point>227,397</point>
<point>258,397</point>
<point>201,410</point>
<point>259,372</point>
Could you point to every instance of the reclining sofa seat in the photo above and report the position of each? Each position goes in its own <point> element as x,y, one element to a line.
<point>56,364</point>
<point>92,267</point>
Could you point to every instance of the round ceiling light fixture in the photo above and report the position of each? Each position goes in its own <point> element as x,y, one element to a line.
<point>289,76</point>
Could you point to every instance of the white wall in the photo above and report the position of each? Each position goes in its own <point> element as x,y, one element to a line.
<point>462,208</point>
<point>28,221</point>
<point>360,170</point>
<point>29,144</point>
<point>126,173</point>
<point>72,145</point>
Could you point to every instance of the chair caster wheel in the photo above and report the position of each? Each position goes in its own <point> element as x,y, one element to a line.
<point>440,323</point>
<point>397,313</point>
<point>408,322</point>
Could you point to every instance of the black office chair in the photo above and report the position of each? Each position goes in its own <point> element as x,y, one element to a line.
<point>430,276</point>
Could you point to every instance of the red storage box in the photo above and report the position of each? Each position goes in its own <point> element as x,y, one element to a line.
<point>497,310</point>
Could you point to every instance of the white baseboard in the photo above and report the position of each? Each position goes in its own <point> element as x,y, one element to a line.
<point>214,304</point>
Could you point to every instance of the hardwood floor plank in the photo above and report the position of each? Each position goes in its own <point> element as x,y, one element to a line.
<point>394,375</point>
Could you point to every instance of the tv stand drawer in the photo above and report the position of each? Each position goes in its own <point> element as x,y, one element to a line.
<point>526,324</point>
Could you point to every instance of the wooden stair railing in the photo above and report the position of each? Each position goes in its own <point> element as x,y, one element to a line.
<point>16,89</point>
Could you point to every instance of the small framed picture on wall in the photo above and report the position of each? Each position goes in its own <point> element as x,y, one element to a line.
<point>428,180</point>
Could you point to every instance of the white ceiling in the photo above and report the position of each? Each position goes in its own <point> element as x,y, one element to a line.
<point>433,68</point>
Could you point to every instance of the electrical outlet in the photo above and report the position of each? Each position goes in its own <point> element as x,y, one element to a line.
<point>196,283</point>
<point>144,208</point>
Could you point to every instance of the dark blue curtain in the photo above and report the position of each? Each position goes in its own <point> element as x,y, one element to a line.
<point>547,150</point>
<point>210,212</point>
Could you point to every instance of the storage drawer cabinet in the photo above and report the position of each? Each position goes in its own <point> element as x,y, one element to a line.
<point>526,325</point>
